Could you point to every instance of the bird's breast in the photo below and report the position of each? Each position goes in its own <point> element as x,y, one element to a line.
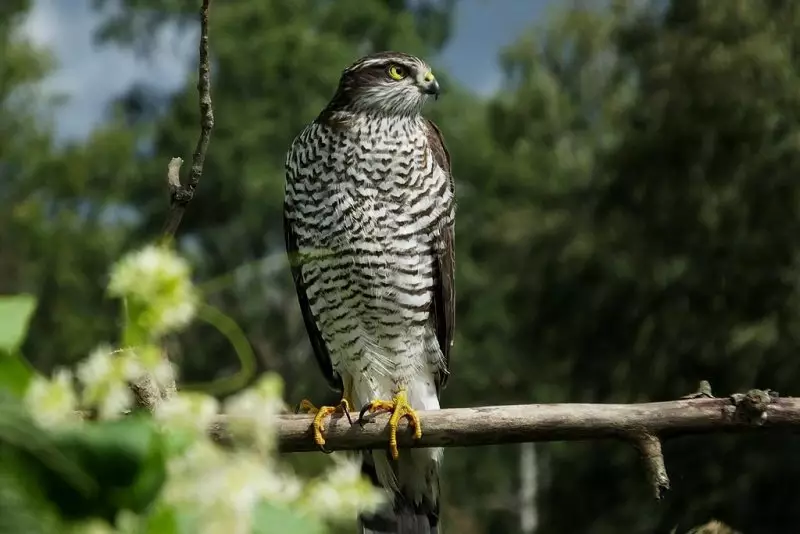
<point>372,203</point>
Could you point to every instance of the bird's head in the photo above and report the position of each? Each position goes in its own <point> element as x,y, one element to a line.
<point>386,83</point>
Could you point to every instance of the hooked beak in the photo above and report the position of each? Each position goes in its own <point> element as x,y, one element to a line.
<point>429,85</point>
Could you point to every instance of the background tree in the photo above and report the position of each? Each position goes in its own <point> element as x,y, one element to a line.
<point>59,227</point>
<point>677,263</point>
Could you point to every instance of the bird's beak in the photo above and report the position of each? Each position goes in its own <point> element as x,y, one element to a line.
<point>429,85</point>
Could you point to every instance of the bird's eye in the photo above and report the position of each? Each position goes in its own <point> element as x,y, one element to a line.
<point>397,72</point>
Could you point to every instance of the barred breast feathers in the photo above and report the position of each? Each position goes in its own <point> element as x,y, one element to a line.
<point>374,195</point>
<point>367,201</point>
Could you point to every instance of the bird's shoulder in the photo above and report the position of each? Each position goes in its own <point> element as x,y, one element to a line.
<point>437,145</point>
<point>333,120</point>
<point>307,146</point>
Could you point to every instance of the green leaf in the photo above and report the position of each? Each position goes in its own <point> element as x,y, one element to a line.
<point>15,374</point>
<point>29,458</point>
<point>269,518</point>
<point>177,441</point>
<point>39,453</point>
<point>15,313</point>
<point>127,459</point>
<point>162,520</point>
<point>91,470</point>
<point>23,508</point>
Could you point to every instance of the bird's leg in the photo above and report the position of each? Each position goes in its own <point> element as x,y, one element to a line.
<point>324,411</point>
<point>400,408</point>
<point>306,406</point>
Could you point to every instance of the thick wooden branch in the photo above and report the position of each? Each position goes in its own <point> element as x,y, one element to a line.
<point>642,425</point>
<point>469,427</point>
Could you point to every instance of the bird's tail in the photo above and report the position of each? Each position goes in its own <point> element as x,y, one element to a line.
<point>402,515</point>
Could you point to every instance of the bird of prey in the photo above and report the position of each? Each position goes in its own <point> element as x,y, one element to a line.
<point>369,217</point>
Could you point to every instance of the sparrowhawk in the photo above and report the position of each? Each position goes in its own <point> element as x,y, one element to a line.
<point>369,224</point>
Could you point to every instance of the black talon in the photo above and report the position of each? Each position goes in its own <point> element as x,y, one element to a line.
<point>323,450</point>
<point>361,415</point>
<point>344,406</point>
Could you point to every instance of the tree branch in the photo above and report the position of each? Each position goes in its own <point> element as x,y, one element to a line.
<point>649,447</point>
<point>181,194</point>
<point>469,427</point>
<point>643,425</point>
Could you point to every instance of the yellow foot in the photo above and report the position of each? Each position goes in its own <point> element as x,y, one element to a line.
<point>321,413</point>
<point>400,408</point>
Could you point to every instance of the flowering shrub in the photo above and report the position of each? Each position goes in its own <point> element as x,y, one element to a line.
<point>130,472</point>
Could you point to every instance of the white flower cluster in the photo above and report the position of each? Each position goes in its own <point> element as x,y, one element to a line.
<point>52,401</point>
<point>156,283</point>
<point>223,487</point>
<point>105,378</point>
<point>343,491</point>
<point>252,414</point>
<point>218,490</point>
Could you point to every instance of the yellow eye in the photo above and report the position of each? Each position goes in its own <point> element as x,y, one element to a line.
<point>397,72</point>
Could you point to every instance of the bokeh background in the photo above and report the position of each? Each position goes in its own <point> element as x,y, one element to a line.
<point>627,177</point>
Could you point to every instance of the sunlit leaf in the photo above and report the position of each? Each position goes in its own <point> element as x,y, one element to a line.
<point>15,374</point>
<point>15,314</point>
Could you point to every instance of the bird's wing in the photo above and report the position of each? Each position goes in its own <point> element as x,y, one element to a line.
<point>317,343</point>
<point>444,290</point>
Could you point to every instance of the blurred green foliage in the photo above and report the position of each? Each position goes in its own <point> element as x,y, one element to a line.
<point>627,226</point>
<point>87,460</point>
<point>49,477</point>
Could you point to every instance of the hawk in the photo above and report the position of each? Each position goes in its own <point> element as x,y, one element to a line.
<point>369,217</point>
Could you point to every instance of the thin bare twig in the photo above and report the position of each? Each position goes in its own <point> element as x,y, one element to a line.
<point>146,392</point>
<point>644,425</point>
<point>181,194</point>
